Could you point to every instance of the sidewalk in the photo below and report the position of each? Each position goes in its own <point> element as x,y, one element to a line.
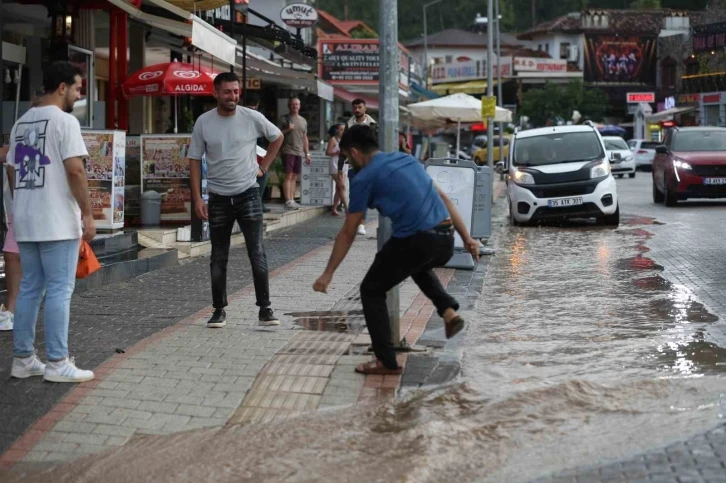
<point>187,376</point>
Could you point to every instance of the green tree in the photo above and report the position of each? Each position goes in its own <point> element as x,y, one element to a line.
<point>645,4</point>
<point>556,100</point>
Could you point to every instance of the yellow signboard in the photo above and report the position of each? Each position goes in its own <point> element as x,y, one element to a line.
<point>253,83</point>
<point>488,106</point>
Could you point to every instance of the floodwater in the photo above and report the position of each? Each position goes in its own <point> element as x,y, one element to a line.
<point>579,352</point>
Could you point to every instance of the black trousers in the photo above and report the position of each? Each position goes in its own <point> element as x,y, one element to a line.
<point>400,258</point>
<point>246,210</point>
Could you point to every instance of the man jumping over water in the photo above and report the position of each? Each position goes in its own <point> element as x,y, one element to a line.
<point>424,220</point>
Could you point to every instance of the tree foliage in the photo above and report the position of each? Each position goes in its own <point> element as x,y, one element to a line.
<point>557,100</point>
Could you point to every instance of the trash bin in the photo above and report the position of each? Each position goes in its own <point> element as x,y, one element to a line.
<point>150,208</point>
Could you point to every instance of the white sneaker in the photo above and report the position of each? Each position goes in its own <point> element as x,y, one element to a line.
<point>66,371</point>
<point>291,205</point>
<point>27,367</point>
<point>7,319</point>
<point>296,204</point>
<point>361,230</point>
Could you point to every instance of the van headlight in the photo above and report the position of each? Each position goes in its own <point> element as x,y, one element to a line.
<point>600,170</point>
<point>520,177</point>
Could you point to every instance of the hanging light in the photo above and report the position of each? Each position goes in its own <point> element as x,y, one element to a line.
<point>16,76</point>
<point>8,80</point>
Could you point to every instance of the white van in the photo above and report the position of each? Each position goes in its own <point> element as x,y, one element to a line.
<point>560,172</point>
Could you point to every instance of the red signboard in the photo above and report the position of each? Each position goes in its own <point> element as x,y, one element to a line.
<point>636,97</point>
<point>712,98</point>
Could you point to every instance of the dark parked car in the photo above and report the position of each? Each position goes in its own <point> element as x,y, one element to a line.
<point>691,163</point>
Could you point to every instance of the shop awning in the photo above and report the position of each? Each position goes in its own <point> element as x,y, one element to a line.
<point>421,91</point>
<point>348,96</point>
<point>470,87</point>
<point>669,113</point>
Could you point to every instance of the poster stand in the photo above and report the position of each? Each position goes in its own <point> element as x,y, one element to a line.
<point>165,169</point>
<point>316,186</point>
<point>105,170</point>
<point>469,188</point>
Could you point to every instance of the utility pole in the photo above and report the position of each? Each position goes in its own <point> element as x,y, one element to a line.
<point>388,127</point>
<point>499,79</point>
<point>426,39</point>
<point>490,87</point>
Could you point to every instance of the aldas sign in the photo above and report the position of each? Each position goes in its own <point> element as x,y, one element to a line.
<point>637,97</point>
<point>299,15</point>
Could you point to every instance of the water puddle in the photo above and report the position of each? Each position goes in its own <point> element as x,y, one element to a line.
<point>350,322</point>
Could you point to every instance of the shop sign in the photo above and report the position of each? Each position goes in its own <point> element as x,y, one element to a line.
<point>253,83</point>
<point>535,64</point>
<point>637,97</point>
<point>689,99</point>
<point>299,15</point>
<point>670,102</point>
<point>355,61</point>
<point>709,37</point>
<point>457,72</point>
<point>712,98</point>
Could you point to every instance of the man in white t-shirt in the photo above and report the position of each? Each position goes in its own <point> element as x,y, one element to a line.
<point>360,118</point>
<point>51,211</point>
<point>228,136</point>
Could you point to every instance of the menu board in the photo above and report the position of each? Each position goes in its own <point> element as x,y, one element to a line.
<point>105,169</point>
<point>165,169</point>
<point>316,185</point>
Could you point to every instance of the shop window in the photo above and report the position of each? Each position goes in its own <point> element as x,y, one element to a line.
<point>668,73</point>
<point>449,59</point>
<point>565,50</point>
<point>83,59</point>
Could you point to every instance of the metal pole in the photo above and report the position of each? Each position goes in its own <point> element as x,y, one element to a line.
<point>388,125</point>
<point>426,50</point>
<point>490,90</point>
<point>17,93</point>
<point>244,69</point>
<point>500,100</point>
<point>232,21</point>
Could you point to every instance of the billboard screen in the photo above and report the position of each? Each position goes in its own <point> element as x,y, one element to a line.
<point>620,60</point>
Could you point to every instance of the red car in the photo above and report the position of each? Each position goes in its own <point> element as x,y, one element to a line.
<point>691,163</point>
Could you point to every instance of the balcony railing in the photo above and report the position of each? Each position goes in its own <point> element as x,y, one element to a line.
<point>693,84</point>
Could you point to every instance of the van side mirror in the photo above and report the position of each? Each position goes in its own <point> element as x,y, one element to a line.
<point>661,149</point>
<point>499,167</point>
<point>616,157</point>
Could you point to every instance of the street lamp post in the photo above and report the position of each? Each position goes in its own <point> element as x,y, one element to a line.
<point>490,90</point>
<point>426,40</point>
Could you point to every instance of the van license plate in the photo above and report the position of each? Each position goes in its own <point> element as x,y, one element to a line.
<point>564,202</point>
<point>714,181</point>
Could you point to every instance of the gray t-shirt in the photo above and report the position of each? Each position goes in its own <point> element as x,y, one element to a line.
<point>294,142</point>
<point>230,144</point>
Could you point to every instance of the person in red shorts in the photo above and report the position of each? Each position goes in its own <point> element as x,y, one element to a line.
<point>295,148</point>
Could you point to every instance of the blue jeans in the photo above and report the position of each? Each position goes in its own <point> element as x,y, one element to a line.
<point>49,266</point>
<point>351,174</point>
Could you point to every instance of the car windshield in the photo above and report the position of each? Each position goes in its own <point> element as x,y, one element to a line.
<point>557,148</point>
<point>689,141</point>
<point>615,145</point>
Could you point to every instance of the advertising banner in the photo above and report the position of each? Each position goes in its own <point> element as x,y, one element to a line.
<point>165,170</point>
<point>105,169</point>
<point>355,61</point>
<point>537,64</point>
<point>620,60</point>
<point>709,37</point>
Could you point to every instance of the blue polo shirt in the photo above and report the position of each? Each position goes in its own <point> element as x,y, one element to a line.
<point>397,185</point>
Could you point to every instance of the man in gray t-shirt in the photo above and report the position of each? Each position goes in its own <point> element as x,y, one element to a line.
<point>228,136</point>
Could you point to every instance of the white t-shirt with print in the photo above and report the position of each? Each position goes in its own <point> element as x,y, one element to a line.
<point>44,208</point>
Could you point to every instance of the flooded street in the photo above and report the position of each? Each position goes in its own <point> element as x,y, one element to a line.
<point>584,347</point>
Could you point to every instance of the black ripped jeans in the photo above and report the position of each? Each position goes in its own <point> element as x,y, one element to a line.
<point>399,258</point>
<point>246,210</point>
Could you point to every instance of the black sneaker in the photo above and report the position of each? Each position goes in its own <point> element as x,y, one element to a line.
<point>267,317</point>
<point>218,320</point>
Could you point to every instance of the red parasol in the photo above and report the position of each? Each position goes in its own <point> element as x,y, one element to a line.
<point>170,79</point>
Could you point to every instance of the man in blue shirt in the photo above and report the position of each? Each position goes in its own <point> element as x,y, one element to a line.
<point>423,219</point>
